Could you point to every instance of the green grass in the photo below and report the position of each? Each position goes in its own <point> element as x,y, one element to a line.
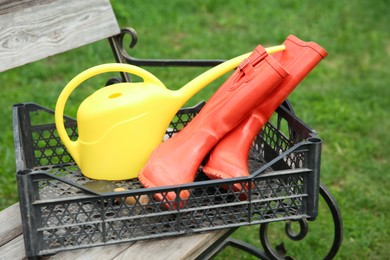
<point>346,98</point>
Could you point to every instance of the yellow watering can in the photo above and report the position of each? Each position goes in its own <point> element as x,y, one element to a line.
<point>120,125</point>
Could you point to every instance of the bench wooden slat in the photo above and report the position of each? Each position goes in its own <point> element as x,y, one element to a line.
<point>102,252</point>
<point>35,29</point>
<point>14,249</point>
<point>185,247</point>
<point>11,224</point>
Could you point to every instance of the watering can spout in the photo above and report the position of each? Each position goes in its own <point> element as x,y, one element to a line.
<point>195,85</point>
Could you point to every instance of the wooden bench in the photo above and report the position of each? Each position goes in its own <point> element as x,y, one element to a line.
<point>35,30</point>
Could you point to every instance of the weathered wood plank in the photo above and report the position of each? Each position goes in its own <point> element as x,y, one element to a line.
<point>31,30</point>
<point>11,224</point>
<point>103,252</point>
<point>185,247</point>
<point>14,249</point>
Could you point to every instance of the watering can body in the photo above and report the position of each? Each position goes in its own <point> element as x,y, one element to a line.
<point>117,132</point>
<point>118,126</point>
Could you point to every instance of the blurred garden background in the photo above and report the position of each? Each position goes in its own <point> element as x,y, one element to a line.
<point>346,99</point>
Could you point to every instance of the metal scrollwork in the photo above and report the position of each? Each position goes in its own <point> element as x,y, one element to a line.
<point>304,228</point>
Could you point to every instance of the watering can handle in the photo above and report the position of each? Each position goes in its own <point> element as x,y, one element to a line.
<point>85,75</point>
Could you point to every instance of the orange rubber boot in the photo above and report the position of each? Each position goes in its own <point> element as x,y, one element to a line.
<point>177,160</point>
<point>229,157</point>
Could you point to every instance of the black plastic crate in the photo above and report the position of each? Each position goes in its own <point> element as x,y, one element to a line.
<point>62,210</point>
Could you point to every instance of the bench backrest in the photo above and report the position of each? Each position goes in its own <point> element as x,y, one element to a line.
<point>31,30</point>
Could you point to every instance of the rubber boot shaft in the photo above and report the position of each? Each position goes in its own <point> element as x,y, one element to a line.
<point>230,156</point>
